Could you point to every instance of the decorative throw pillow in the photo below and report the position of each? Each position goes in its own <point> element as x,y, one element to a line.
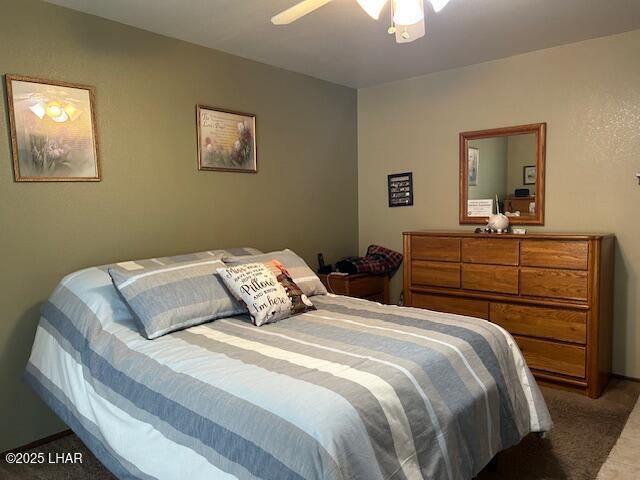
<point>171,297</point>
<point>267,290</point>
<point>299,271</point>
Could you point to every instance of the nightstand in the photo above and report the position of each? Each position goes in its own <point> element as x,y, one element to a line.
<point>361,285</point>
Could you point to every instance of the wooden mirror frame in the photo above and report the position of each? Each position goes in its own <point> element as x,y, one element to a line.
<point>540,130</point>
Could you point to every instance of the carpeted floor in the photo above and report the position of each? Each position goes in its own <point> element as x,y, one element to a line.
<point>585,431</point>
<point>584,434</point>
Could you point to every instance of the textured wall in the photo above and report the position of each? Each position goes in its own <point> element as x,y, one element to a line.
<point>589,95</point>
<point>152,200</point>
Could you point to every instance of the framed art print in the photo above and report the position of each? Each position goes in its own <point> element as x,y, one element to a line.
<point>53,130</point>
<point>400,189</point>
<point>474,164</point>
<point>529,175</point>
<point>226,140</point>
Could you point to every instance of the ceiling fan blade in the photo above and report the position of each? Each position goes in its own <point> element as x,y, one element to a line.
<point>299,10</point>
<point>438,4</point>
<point>372,7</point>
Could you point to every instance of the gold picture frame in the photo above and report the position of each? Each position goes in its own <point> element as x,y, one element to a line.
<point>53,130</point>
<point>226,140</point>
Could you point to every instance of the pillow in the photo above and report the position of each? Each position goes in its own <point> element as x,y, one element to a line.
<point>172,297</point>
<point>300,272</point>
<point>267,290</point>
<point>188,257</point>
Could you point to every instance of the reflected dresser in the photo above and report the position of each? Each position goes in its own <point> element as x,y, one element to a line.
<point>552,292</point>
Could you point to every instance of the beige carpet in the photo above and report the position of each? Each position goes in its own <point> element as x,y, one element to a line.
<point>584,434</point>
<point>624,460</point>
<point>585,431</point>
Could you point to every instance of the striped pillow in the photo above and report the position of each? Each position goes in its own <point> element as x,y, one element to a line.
<point>166,298</point>
<point>300,272</point>
<point>187,257</point>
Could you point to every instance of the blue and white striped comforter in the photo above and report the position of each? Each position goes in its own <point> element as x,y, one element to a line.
<point>354,390</point>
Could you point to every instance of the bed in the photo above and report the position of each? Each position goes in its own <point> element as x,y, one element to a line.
<point>353,390</point>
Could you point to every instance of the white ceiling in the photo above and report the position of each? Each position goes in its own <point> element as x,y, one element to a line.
<point>340,43</point>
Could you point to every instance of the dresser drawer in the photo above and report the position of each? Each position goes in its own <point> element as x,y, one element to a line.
<point>552,323</point>
<point>443,249</point>
<point>457,305</point>
<point>437,274</point>
<point>553,357</point>
<point>490,278</point>
<point>554,254</point>
<point>490,250</point>
<point>540,282</point>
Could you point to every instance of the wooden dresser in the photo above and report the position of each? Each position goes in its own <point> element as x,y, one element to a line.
<point>552,292</point>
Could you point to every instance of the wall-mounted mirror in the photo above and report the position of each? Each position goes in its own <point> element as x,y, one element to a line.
<point>503,165</point>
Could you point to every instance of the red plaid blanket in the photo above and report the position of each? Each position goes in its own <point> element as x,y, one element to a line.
<point>378,260</point>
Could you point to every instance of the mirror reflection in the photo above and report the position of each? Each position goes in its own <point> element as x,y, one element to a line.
<point>502,167</point>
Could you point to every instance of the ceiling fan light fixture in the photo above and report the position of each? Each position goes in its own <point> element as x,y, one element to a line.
<point>438,4</point>
<point>407,20</point>
<point>414,32</point>
<point>407,12</point>
<point>372,7</point>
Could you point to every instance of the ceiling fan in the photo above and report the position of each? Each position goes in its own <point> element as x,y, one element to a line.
<point>407,16</point>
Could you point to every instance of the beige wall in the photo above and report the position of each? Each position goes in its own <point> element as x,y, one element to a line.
<point>152,200</point>
<point>589,95</point>
<point>521,152</point>
<point>492,168</point>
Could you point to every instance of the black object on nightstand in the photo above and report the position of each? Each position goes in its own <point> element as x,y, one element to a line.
<point>322,268</point>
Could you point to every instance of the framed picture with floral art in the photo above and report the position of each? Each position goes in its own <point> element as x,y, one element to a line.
<point>529,174</point>
<point>226,140</point>
<point>53,130</point>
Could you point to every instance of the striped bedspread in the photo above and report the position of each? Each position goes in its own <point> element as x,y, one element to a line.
<point>354,390</point>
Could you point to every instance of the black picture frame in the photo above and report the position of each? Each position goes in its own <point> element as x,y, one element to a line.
<point>400,189</point>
